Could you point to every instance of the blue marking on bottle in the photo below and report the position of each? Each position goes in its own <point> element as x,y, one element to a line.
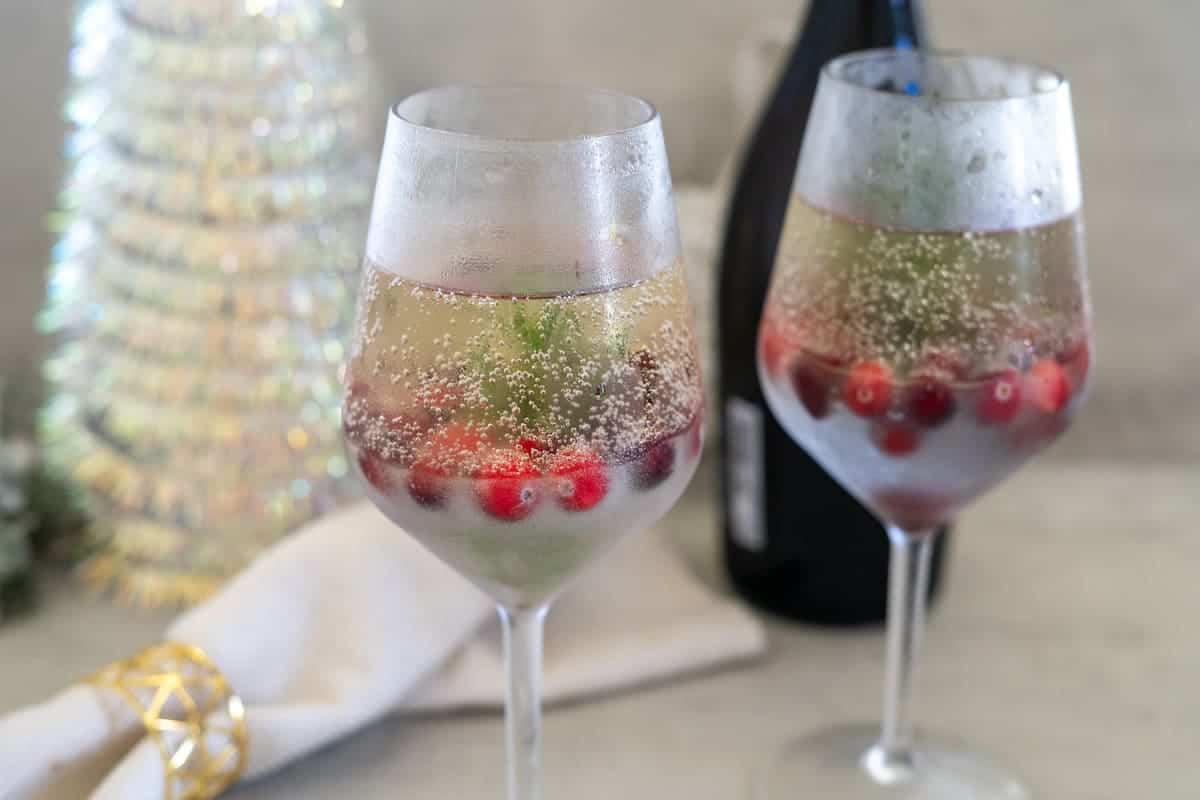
<point>904,38</point>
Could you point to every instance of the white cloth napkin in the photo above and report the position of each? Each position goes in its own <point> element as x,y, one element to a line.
<point>350,619</point>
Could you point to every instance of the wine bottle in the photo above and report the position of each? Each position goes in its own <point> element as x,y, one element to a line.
<point>796,543</point>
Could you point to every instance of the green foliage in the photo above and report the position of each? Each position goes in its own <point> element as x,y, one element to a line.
<point>42,516</point>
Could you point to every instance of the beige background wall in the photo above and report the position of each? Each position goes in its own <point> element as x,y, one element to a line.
<point>1134,87</point>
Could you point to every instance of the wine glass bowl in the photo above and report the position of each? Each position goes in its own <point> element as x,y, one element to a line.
<point>927,331</point>
<point>523,386</point>
<point>524,435</point>
<point>920,367</point>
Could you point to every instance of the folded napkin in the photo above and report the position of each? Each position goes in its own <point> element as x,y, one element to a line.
<point>350,619</point>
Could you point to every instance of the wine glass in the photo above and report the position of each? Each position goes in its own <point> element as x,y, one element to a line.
<point>523,388</point>
<point>927,331</point>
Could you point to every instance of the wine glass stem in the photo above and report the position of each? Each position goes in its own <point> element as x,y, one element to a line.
<point>908,590</point>
<point>523,629</point>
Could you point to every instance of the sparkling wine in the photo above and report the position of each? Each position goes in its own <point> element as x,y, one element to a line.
<point>918,367</point>
<point>517,435</point>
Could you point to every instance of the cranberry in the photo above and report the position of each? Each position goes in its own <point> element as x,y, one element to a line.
<point>580,479</point>
<point>534,446</point>
<point>447,452</point>
<point>773,350</point>
<point>1049,387</point>
<point>1000,398</point>
<point>868,389</point>
<point>375,471</point>
<point>507,486</point>
<point>929,401</point>
<point>813,386</point>
<point>1076,360</point>
<point>897,440</point>
<point>429,483</point>
<point>655,465</point>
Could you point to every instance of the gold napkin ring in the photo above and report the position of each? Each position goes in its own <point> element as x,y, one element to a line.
<point>189,711</point>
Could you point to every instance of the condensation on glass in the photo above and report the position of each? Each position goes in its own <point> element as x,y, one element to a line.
<point>533,189</point>
<point>949,158</point>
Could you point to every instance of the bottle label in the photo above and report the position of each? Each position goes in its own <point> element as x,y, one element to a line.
<point>747,495</point>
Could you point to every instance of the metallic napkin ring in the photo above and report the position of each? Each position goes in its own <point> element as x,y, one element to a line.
<point>189,711</point>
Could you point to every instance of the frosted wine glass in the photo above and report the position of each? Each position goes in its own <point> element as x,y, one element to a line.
<point>926,332</point>
<point>523,386</point>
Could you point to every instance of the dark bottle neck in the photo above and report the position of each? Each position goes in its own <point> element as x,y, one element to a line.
<point>896,23</point>
<point>833,27</point>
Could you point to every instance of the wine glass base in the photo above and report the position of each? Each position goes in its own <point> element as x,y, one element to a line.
<point>844,764</point>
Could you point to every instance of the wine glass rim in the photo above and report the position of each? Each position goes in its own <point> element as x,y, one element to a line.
<point>834,71</point>
<point>648,113</point>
